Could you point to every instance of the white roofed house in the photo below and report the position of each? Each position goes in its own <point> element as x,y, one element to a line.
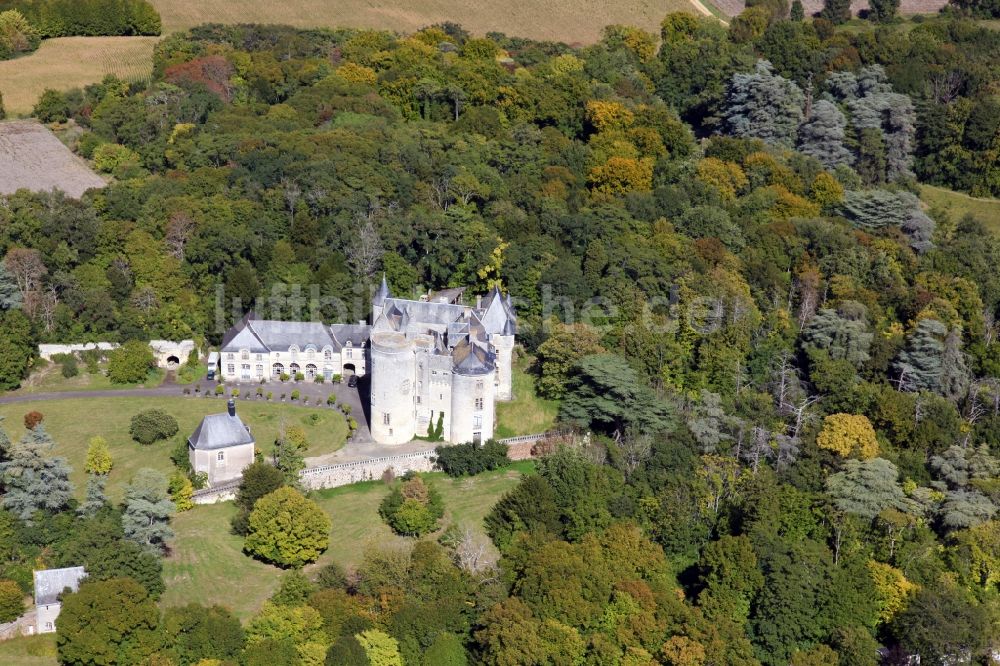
<point>221,446</point>
<point>49,585</point>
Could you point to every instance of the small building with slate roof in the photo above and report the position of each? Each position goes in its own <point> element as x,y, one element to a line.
<point>49,585</point>
<point>221,446</point>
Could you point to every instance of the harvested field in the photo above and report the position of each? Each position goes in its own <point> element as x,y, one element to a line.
<point>32,157</point>
<point>72,62</point>
<point>563,20</point>
<point>734,7</point>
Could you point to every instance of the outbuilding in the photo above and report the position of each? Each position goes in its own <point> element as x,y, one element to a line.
<point>221,446</point>
<point>49,585</point>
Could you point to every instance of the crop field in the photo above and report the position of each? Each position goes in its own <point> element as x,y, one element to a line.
<point>71,62</point>
<point>32,157</point>
<point>563,20</point>
<point>72,422</point>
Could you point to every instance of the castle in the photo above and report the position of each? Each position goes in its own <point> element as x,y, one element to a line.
<point>434,364</point>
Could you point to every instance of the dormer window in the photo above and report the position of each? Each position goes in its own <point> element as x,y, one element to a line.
<point>245,355</point>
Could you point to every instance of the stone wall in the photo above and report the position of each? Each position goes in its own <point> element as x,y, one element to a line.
<point>332,476</point>
<point>48,351</point>
<point>163,350</point>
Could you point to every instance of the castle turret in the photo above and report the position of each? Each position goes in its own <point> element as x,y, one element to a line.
<point>472,395</point>
<point>378,300</point>
<point>393,368</point>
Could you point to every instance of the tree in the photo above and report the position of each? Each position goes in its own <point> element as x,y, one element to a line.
<point>920,364</point>
<point>413,508</point>
<point>107,622</point>
<point>566,344</point>
<point>259,479</point>
<point>822,135</point>
<point>152,425</point>
<point>10,295</point>
<point>797,12</point>
<point>34,481</point>
<point>195,632</point>
<point>18,350</point>
<point>181,491</point>
<point>883,11</point>
<point>146,511</point>
<point>294,589</point>
<point>95,499</point>
<point>130,363</point>
<point>836,11</point>
<point>287,456</point>
<point>347,651</point>
<point>11,601</point>
<point>299,626</point>
<point>848,435</point>
<point>98,457</point>
<point>287,529</point>
<point>764,105</point>
<point>32,419</point>
<point>470,459</point>
<point>942,621</point>
<point>867,488</point>
<point>605,393</point>
<point>382,649</point>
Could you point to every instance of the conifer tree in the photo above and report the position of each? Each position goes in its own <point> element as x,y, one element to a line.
<point>146,511</point>
<point>95,499</point>
<point>763,105</point>
<point>33,481</point>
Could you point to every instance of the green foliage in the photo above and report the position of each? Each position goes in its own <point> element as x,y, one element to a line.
<point>146,511</point>
<point>259,479</point>
<point>110,622</point>
<point>287,529</point>
<point>18,350</point>
<point>763,105</point>
<point>295,588</point>
<point>469,459</point>
<point>64,18</point>
<point>98,457</point>
<point>381,649</point>
<point>17,35</point>
<point>412,508</point>
<point>130,363</point>
<point>152,425</point>
<point>32,480</point>
<point>11,601</point>
<point>109,157</point>
<point>194,632</point>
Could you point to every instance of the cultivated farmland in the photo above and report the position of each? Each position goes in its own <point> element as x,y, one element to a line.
<point>563,20</point>
<point>32,157</point>
<point>70,62</point>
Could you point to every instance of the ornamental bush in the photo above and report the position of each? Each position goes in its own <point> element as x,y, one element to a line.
<point>130,363</point>
<point>469,459</point>
<point>287,529</point>
<point>152,425</point>
<point>412,508</point>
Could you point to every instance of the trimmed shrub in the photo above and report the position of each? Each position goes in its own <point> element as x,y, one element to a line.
<point>152,425</point>
<point>469,459</point>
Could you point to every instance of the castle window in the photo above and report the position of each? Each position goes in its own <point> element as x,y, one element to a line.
<point>260,357</point>
<point>479,403</point>
<point>385,418</point>
<point>221,456</point>
<point>477,421</point>
<point>479,385</point>
<point>260,370</point>
<point>231,356</point>
<point>231,369</point>
<point>327,355</point>
<point>245,355</point>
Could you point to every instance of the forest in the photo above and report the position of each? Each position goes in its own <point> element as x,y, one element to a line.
<point>713,240</point>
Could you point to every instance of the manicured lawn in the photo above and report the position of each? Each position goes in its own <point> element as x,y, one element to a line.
<point>957,205</point>
<point>49,379</point>
<point>207,564</point>
<point>29,651</point>
<point>72,422</point>
<point>526,414</point>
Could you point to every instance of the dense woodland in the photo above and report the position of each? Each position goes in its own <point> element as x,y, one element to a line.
<point>712,240</point>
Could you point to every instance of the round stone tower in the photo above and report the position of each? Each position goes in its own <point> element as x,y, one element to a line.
<point>393,368</point>
<point>472,402</point>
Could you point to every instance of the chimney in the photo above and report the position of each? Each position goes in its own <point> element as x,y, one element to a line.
<point>232,407</point>
<point>479,302</point>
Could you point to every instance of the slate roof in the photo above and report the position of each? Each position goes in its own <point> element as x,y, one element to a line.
<point>498,314</point>
<point>472,359</point>
<point>265,335</point>
<point>357,334</point>
<point>218,431</point>
<point>50,583</point>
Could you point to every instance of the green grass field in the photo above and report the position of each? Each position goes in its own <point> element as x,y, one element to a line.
<point>526,414</point>
<point>72,422</point>
<point>29,651</point>
<point>957,205</point>
<point>49,379</point>
<point>207,564</point>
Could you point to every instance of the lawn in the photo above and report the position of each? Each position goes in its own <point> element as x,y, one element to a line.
<point>957,205</point>
<point>71,62</point>
<point>72,422</point>
<point>526,414</point>
<point>49,379</point>
<point>29,651</point>
<point>207,564</point>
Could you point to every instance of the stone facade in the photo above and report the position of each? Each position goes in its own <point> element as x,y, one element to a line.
<point>221,446</point>
<point>435,364</point>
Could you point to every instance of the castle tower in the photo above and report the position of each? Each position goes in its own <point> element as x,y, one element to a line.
<point>378,300</point>
<point>472,396</point>
<point>393,368</point>
<point>504,345</point>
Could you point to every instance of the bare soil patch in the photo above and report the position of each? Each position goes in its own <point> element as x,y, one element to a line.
<point>31,157</point>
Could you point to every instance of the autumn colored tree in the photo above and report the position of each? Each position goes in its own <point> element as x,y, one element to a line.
<point>287,529</point>
<point>848,435</point>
